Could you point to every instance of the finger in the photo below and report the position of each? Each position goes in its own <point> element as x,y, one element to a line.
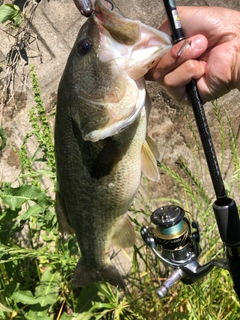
<point>176,80</point>
<point>178,55</point>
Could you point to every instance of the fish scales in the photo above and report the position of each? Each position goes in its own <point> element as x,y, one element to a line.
<point>100,137</point>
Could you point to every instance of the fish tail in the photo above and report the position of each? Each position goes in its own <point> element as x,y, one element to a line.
<point>84,275</point>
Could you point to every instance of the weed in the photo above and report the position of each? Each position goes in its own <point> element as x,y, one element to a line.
<point>10,12</point>
<point>17,26</point>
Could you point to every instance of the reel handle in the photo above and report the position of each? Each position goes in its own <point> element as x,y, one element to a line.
<point>175,276</point>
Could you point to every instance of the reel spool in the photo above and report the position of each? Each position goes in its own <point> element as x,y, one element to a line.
<point>173,236</point>
<point>172,229</point>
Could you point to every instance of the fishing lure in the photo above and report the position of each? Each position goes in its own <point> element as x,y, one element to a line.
<point>84,6</point>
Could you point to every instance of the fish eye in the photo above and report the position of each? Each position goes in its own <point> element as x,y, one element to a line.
<point>84,47</point>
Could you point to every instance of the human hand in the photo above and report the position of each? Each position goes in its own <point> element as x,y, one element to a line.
<point>212,56</point>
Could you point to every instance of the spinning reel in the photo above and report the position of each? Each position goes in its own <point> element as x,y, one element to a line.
<point>174,244</point>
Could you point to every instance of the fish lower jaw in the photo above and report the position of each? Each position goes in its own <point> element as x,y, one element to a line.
<point>143,60</point>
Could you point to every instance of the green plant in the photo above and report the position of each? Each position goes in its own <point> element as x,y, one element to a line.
<point>43,134</point>
<point>27,219</point>
<point>17,25</point>
<point>3,138</point>
<point>10,12</point>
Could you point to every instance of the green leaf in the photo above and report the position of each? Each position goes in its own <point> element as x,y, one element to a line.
<point>83,301</point>
<point>176,315</point>
<point>17,20</point>
<point>47,292</point>
<point>101,305</point>
<point>3,137</point>
<point>4,309</point>
<point>16,197</point>
<point>33,315</point>
<point>82,316</point>
<point>25,297</point>
<point>15,7</point>
<point>8,12</point>
<point>32,211</point>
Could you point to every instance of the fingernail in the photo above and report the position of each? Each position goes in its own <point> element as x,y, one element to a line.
<point>198,43</point>
<point>203,64</point>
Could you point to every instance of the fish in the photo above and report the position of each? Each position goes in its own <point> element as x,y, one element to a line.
<point>101,142</point>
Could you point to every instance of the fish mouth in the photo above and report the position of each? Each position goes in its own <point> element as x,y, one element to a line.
<point>122,37</point>
<point>133,48</point>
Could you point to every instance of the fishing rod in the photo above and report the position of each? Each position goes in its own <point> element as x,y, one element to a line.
<point>173,240</point>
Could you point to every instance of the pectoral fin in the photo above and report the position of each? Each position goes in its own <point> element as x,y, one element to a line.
<point>124,234</point>
<point>108,157</point>
<point>149,158</point>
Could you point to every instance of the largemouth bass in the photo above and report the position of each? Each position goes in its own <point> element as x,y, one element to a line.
<point>100,136</point>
